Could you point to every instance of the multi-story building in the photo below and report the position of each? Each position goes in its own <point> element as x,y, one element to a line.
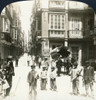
<point>10,31</point>
<point>69,23</point>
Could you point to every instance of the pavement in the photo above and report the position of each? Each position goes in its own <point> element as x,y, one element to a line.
<point>20,88</point>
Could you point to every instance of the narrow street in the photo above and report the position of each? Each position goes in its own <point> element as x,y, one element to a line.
<point>60,30</point>
<point>20,87</point>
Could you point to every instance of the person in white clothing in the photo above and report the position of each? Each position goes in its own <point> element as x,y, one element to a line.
<point>43,76</point>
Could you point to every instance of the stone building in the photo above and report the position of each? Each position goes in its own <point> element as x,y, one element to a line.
<point>69,23</point>
<point>10,30</point>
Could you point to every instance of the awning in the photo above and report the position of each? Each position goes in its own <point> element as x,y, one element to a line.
<point>59,52</point>
<point>5,42</point>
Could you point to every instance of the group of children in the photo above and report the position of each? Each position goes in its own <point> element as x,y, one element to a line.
<point>43,76</point>
<point>6,73</point>
<point>88,78</point>
<point>3,83</point>
<point>86,72</point>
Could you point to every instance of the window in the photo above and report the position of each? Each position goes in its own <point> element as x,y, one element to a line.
<point>91,51</point>
<point>52,21</point>
<point>15,35</point>
<point>16,23</point>
<point>75,52</point>
<point>56,21</point>
<point>5,25</point>
<point>58,32</point>
<point>62,22</point>
<point>51,32</point>
<point>56,3</point>
<point>75,24</point>
<point>39,25</point>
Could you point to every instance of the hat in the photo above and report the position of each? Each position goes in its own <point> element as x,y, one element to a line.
<point>53,68</point>
<point>75,63</point>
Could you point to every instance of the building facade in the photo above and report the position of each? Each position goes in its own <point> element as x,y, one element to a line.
<point>68,23</point>
<point>10,31</point>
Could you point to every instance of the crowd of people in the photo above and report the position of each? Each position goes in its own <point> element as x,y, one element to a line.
<point>48,69</point>
<point>6,74</point>
<point>86,72</point>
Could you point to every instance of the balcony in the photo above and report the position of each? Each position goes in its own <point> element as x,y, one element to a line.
<point>57,4</point>
<point>77,5</point>
<point>6,37</point>
<point>56,34</point>
<point>75,34</point>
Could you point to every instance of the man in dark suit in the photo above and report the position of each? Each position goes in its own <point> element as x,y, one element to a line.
<point>59,65</point>
<point>88,78</point>
<point>9,75</point>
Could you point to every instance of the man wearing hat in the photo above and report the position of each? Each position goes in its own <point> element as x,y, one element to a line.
<point>88,78</point>
<point>32,80</point>
<point>9,73</point>
<point>75,78</point>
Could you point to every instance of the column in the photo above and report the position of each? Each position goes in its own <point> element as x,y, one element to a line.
<point>80,56</point>
<point>66,30</point>
<point>66,25</point>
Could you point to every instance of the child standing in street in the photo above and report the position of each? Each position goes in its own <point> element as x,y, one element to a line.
<point>3,84</point>
<point>43,78</point>
<point>53,79</point>
<point>32,80</point>
<point>75,79</point>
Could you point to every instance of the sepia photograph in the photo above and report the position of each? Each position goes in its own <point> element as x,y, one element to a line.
<point>48,50</point>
